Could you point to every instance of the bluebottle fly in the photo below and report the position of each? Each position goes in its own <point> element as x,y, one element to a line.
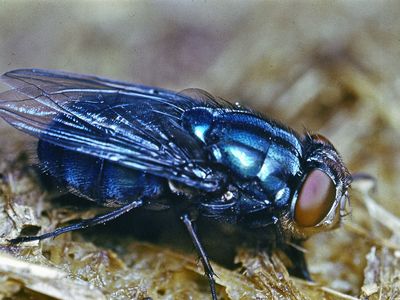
<point>125,146</point>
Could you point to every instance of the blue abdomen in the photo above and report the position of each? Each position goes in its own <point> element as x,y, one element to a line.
<point>100,180</point>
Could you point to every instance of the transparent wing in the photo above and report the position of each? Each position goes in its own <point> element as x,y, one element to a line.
<point>135,126</point>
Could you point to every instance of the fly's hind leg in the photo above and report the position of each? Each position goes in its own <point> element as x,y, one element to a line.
<point>101,219</point>
<point>201,252</point>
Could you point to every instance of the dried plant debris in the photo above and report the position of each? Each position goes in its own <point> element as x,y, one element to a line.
<point>269,276</point>
<point>382,275</point>
<point>20,278</point>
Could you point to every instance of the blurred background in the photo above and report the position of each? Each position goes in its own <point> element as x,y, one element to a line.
<point>328,67</point>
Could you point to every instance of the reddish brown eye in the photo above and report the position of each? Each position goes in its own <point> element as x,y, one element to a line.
<point>315,199</point>
<point>320,138</point>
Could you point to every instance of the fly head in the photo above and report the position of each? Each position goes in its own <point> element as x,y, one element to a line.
<point>320,199</point>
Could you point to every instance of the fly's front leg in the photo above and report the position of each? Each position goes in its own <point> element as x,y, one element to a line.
<point>299,268</point>
<point>201,252</point>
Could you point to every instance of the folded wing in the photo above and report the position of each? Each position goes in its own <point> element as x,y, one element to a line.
<point>133,125</point>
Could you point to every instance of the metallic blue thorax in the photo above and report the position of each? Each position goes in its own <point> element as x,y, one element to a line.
<point>254,150</point>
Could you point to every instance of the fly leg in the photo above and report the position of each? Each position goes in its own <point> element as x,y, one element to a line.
<point>201,252</point>
<point>101,219</point>
<point>300,268</point>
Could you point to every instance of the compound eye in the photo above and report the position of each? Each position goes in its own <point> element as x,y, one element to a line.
<point>315,200</point>
<point>320,138</point>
